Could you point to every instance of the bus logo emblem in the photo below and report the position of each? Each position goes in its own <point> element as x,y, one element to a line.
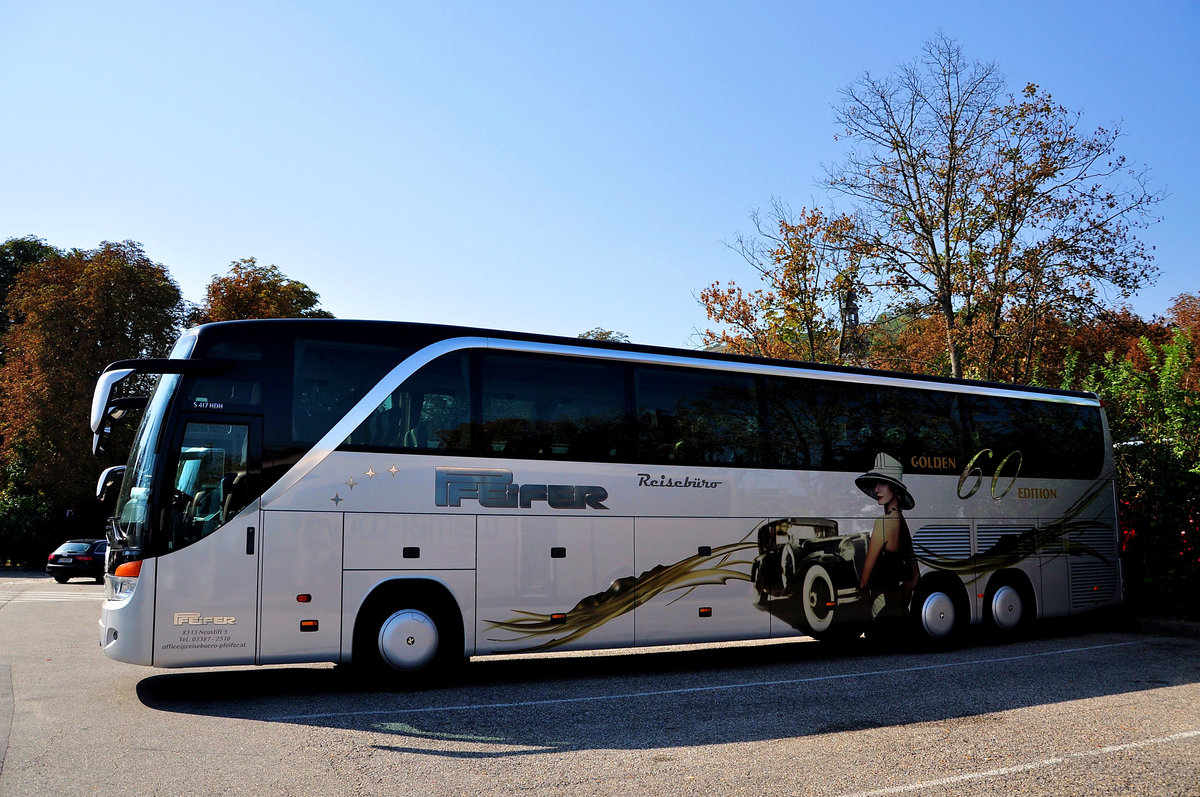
<point>494,488</point>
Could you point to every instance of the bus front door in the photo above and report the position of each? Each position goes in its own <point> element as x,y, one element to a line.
<point>208,572</point>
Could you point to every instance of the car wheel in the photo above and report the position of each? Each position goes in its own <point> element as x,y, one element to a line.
<point>62,579</point>
<point>820,599</point>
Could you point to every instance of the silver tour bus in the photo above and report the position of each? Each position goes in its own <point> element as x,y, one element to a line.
<point>405,495</point>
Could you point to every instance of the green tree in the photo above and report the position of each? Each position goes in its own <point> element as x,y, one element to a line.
<point>599,333</point>
<point>1153,408</point>
<point>991,212</point>
<point>253,291</point>
<point>72,314</point>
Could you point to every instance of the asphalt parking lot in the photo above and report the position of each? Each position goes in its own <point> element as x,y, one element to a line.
<point>1078,708</point>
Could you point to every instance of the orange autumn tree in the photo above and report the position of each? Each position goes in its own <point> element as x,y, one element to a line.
<point>71,315</point>
<point>251,290</point>
<point>807,309</point>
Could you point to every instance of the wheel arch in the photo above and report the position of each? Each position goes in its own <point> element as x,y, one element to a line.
<point>403,592</point>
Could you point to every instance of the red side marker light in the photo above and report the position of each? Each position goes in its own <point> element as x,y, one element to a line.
<point>309,625</point>
<point>305,598</point>
<point>558,618</point>
<point>706,611</point>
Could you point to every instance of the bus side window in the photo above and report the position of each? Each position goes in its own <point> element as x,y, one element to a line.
<point>537,407</point>
<point>210,479</point>
<point>429,412</point>
<point>689,417</point>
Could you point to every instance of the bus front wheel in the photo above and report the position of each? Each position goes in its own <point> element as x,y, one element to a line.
<point>407,640</point>
<point>410,635</point>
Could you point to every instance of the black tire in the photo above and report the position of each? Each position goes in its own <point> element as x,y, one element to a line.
<point>939,613</point>
<point>407,641</point>
<point>1008,607</point>
<point>62,579</point>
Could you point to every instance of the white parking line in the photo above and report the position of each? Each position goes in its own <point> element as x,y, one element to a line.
<point>691,690</point>
<point>1048,762</point>
<point>33,596</point>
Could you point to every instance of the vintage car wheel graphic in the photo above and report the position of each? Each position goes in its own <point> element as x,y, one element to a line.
<point>820,598</point>
<point>787,568</point>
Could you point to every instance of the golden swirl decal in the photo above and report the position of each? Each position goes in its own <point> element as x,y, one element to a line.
<point>626,594</point>
<point>1013,550</point>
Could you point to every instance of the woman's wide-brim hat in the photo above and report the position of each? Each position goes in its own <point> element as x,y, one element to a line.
<point>890,471</point>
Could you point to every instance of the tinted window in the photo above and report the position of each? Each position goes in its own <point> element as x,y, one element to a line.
<point>690,417</point>
<point>238,390</point>
<point>552,408</point>
<point>430,412</point>
<point>1053,440</point>
<point>843,425</point>
<point>329,378</point>
<point>795,424</point>
<point>921,428</point>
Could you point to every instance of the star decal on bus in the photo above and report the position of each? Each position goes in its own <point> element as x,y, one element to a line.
<point>337,499</point>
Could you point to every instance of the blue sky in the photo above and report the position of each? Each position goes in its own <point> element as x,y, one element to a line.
<point>547,166</point>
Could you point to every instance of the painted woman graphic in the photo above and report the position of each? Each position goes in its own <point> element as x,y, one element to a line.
<point>889,574</point>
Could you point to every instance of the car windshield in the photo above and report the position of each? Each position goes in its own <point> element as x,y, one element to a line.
<point>73,547</point>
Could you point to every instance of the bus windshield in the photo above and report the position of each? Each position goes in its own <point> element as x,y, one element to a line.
<point>130,520</point>
<point>131,516</point>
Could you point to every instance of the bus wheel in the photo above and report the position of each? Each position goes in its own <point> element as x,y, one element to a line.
<point>408,640</point>
<point>406,633</point>
<point>1007,609</point>
<point>936,614</point>
<point>820,599</point>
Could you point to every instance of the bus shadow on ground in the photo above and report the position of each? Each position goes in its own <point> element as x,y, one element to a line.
<point>663,699</point>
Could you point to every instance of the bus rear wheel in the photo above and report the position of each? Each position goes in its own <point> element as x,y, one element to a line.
<point>1009,608</point>
<point>937,614</point>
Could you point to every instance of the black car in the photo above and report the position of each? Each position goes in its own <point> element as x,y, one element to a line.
<point>78,558</point>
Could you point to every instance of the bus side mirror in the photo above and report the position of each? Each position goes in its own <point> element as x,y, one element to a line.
<point>108,486</point>
<point>116,410</point>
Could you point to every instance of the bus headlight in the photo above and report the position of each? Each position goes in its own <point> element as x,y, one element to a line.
<point>120,585</point>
